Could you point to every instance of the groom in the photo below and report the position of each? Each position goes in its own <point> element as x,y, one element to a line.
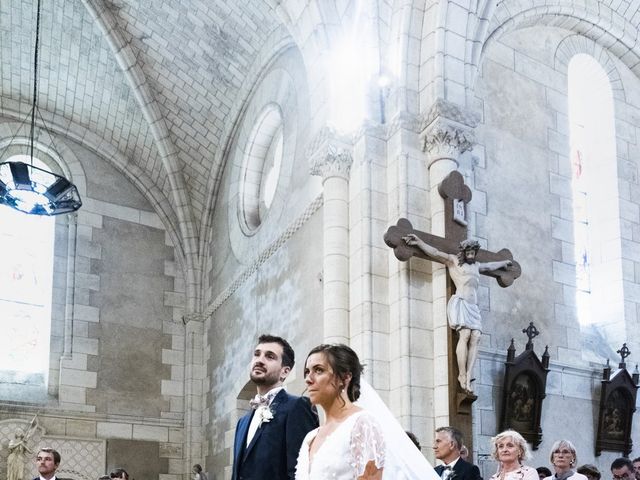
<point>269,437</point>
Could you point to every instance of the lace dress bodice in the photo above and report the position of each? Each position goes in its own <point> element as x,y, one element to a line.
<point>522,473</point>
<point>345,452</point>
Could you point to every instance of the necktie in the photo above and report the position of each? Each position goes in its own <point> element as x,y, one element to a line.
<point>262,400</point>
<point>259,401</point>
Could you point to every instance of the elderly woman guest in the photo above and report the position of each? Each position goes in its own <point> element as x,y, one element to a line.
<point>564,459</point>
<point>510,449</point>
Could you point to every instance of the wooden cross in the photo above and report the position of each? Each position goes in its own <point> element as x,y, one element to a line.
<point>453,190</point>
<point>456,196</point>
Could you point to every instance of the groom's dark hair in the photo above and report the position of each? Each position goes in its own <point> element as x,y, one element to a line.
<point>288,356</point>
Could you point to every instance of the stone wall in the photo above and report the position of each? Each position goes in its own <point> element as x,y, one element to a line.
<point>117,349</point>
<point>520,172</point>
<point>264,278</point>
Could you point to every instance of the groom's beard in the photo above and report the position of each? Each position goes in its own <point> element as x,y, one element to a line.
<point>264,377</point>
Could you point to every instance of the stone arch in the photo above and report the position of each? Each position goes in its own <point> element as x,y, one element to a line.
<point>607,28</point>
<point>66,162</point>
<point>266,132</point>
<point>110,154</point>
<point>137,80</point>
<point>59,160</point>
<point>576,44</point>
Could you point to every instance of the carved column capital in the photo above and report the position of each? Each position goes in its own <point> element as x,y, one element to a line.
<point>447,131</point>
<point>330,155</point>
<point>442,139</point>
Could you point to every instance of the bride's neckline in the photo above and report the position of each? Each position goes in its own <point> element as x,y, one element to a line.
<point>338,425</point>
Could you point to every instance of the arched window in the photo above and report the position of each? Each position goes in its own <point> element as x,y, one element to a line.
<point>596,210</point>
<point>26,276</point>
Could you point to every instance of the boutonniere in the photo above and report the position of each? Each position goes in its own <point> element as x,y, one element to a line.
<point>265,414</point>
<point>449,474</point>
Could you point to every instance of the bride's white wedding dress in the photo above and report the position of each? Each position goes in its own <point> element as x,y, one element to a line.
<point>369,434</point>
<point>345,452</point>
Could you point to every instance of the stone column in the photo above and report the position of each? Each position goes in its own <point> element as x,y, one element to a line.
<point>447,134</point>
<point>331,158</point>
<point>194,398</point>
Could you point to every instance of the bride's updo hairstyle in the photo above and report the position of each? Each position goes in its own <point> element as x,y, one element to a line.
<point>344,361</point>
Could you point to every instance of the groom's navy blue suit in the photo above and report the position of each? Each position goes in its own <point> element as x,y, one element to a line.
<point>273,451</point>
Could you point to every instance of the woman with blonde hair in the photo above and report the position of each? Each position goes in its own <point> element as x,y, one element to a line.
<point>564,459</point>
<point>511,449</point>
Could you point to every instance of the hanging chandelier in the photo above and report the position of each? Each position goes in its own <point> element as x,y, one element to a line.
<point>31,189</point>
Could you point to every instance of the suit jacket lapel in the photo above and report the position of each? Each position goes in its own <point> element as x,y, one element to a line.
<point>275,406</point>
<point>241,436</point>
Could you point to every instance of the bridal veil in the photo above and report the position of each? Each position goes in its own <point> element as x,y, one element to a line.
<point>403,460</point>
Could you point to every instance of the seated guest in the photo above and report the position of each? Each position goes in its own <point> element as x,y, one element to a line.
<point>590,471</point>
<point>198,474</point>
<point>447,446</point>
<point>414,439</point>
<point>543,472</point>
<point>636,467</point>
<point>564,459</point>
<point>511,450</point>
<point>464,453</point>
<point>120,473</point>
<point>622,469</point>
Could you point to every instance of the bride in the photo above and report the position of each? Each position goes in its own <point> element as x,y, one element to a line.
<point>359,440</point>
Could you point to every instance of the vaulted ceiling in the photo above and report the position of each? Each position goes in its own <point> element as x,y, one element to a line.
<point>155,79</point>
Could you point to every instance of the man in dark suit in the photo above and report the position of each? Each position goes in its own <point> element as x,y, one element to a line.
<point>268,438</point>
<point>447,447</point>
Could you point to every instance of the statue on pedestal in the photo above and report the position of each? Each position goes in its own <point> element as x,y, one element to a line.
<point>18,450</point>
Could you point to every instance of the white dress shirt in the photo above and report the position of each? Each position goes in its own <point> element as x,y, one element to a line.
<point>255,420</point>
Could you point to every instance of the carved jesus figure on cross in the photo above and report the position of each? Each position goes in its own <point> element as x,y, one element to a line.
<point>462,309</point>
<point>465,261</point>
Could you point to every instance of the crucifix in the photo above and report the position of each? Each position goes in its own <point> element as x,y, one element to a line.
<point>465,261</point>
